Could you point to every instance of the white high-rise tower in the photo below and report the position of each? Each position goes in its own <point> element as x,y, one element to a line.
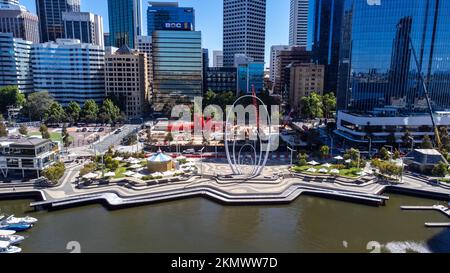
<point>298,23</point>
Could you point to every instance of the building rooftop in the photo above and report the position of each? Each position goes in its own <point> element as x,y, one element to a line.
<point>29,142</point>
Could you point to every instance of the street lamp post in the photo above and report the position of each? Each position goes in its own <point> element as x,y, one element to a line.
<point>292,155</point>
<point>201,161</point>
<point>403,167</point>
<point>412,143</point>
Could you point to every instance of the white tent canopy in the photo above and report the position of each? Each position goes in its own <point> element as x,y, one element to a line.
<point>338,157</point>
<point>323,171</point>
<point>334,171</point>
<point>110,174</point>
<point>327,165</point>
<point>90,176</point>
<point>313,163</point>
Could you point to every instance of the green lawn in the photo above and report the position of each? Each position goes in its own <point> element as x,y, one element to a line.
<point>55,136</point>
<point>350,173</point>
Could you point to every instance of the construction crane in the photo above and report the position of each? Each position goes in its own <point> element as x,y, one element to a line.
<point>427,96</point>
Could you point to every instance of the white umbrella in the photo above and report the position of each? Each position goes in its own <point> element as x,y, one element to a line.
<point>136,166</point>
<point>129,173</point>
<point>311,170</point>
<point>136,161</point>
<point>118,158</point>
<point>334,171</point>
<point>338,157</point>
<point>348,161</point>
<point>323,171</point>
<point>313,163</point>
<point>327,165</point>
<point>110,174</point>
<point>130,159</point>
<point>90,176</point>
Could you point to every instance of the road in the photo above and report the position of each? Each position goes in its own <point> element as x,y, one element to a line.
<point>114,139</point>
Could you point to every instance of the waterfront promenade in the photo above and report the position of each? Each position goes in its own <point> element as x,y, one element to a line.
<point>266,190</point>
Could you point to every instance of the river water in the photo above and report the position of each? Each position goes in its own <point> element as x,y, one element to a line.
<point>309,224</point>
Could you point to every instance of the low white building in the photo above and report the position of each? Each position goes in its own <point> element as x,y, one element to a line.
<point>353,127</point>
<point>27,156</point>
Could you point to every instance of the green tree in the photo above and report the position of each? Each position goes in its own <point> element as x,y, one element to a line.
<point>36,105</point>
<point>65,137</point>
<point>302,159</point>
<point>355,156</point>
<point>396,154</point>
<point>109,111</point>
<point>329,104</point>
<point>407,139</point>
<point>445,139</point>
<point>426,143</point>
<point>44,131</point>
<point>55,114</point>
<point>10,96</point>
<point>440,170</point>
<point>312,106</point>
<point>169,137</point>
<point>73,111</point>
<point>55,173</point>
<point>90,111</point>
<point>324,151</point>
<point>384,154</point>
<point>23,130</point>
<point>3,130</point>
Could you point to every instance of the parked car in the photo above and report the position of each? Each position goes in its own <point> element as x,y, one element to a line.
<point>118,131</point>
<point>101,129</point>
<point>84,130</point>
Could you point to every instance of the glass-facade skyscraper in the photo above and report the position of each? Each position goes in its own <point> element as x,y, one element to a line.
<point>125,21</point>
<point>177,67</point>
<point>326,37</point>
<point>160,13</point>
<point>16,19</point>
<point>15,63</point>
<point>51,26</point>
<point>69,71</point>
<point>378,69</point>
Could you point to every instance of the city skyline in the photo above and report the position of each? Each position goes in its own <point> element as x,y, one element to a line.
<point>277,24</point>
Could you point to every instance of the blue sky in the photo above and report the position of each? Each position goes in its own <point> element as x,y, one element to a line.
<point>209,19</point>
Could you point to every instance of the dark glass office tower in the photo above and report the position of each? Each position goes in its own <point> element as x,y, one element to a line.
<point>160,13</point>
<point>51,26</point>
<point>326,37</point>
<point>124,22</point>
<point>377,65</point>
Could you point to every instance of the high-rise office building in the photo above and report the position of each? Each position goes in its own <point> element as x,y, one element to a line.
<point>384,50</point>
<point>15,63</point>
<point>84,26</point>
<point>205,63</point>
<point>217,58</point>
<point>177,67</point>
<point>244,29</point>
<point>326,38</point>
<point>69,70</point>
<point>298,23</point>
<point>273,60</point>
<point>126,79</point>
<point>51,26</point>
<point>221,79</point>
<point>296,54</point>
<point>161,13</point>
<point>107,39</point>
<point>20,22</point>
<point>250,75</point>
<point>125,22</point>
<point>304,79</point>
<point>144,44</point>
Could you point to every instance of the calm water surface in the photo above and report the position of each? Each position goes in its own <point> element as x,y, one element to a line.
<point>197,225</point>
